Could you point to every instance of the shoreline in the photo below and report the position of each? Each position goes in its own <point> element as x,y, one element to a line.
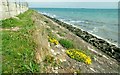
<point>54,16</point>
<point>101,44</point>
<point>91,33</point>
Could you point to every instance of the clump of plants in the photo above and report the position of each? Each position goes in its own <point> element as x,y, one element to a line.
<point>79,56</point>
<point>66,43</point>
<point>53,40</point>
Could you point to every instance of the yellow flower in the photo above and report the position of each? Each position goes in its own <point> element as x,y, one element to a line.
<point>52,40</point>
<point>77,55</point>
<point>88,60</point>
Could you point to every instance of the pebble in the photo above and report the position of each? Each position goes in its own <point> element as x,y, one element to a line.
<point>52,50</point>
<point>56,68</point>
<point>57,46</point>
<point>105,57</point>
<point>92,69</point>
<point>63,50</point>
<point>62,60</point>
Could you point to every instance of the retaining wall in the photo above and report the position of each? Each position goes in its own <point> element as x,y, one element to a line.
<point>11,9</point>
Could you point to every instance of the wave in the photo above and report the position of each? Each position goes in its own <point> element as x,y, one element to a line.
<point>48,14</point>
<point>90,32</point>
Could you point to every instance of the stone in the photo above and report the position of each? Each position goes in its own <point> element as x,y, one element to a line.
<point>101,44</point>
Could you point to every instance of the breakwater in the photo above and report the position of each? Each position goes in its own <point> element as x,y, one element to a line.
<point>100,44</point>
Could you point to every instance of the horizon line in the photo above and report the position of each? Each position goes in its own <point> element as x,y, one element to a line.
<point>70,8</point>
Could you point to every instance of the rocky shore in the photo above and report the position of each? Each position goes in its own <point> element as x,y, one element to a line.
<point>101,44</point>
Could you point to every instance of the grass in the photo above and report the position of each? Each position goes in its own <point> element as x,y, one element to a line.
<point>66,43</point>
<point>18,48</point>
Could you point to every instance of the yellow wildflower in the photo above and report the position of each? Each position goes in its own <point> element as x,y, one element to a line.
<point>77,55</point>
<point>52,40</point>
<point>88,60</point>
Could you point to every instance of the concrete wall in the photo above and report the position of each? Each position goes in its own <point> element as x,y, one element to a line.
<point>11,9</point>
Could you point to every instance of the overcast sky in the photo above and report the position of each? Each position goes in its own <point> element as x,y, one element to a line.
<point>64,0</point>
<point>102,5</point>
<point>72,3</point>
<point>72,0</point>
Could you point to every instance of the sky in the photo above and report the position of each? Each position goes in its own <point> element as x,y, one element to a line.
<point>104,4</point>
<point>101,5</point>
<point>72,0</point>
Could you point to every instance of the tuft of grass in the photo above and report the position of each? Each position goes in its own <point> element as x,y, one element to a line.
<point>18,48</point>
<point>66,43</point>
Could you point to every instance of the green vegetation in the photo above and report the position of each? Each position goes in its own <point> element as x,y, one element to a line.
<point>18,47</point>
<point>22,20</point>
<point>66,43</point>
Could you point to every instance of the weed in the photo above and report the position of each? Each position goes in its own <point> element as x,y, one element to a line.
<point>66,43</point>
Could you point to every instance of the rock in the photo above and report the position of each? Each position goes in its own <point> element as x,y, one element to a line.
<point>101,44</point>
<point>56,68</point>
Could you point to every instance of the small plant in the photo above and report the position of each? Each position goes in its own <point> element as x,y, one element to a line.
<point>79,56</point>
<point>32,67</point>
<point>49,59</point>
<point>66,43</point>
<point>53,40</point>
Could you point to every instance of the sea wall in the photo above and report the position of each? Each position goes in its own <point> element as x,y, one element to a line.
<point>10,9</point>
<point>101,44</point>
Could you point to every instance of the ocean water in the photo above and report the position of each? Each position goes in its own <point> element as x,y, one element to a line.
<point>102,23</point>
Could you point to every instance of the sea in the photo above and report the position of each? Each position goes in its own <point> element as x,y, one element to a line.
<point>102,23</point>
